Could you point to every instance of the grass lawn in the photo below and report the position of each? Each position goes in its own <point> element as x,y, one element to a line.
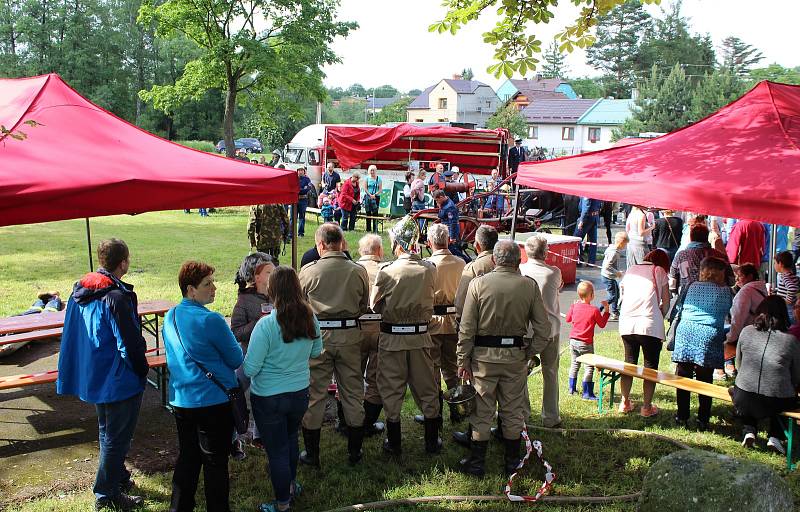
<point>53,255</point>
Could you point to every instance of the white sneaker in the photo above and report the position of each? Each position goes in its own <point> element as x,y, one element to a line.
<point>776,445</point>
<point>749,440</point>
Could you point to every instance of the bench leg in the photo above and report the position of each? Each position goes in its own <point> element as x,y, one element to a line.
<point>788,429</point>
<point>607,378</point>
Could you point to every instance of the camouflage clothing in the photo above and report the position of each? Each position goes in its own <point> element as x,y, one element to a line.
<point>268,227</point>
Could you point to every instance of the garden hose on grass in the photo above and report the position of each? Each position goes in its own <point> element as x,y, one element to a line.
<point>557,500</point>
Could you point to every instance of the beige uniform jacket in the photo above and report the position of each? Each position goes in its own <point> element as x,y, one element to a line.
<point>501,303</point>
<point>336,288</point>
<point>448,275</point>
<point>548,277</point>
<point>403,294</point>
<point>481,265</point>
<point>371,263</point>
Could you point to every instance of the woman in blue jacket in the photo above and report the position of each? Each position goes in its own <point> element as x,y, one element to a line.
<point>203,415</point>
<point>277,364</point>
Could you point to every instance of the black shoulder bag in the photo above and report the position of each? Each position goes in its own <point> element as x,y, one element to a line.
<point>241,415</point>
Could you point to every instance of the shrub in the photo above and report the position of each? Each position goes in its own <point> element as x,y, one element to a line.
<point>201,145</point>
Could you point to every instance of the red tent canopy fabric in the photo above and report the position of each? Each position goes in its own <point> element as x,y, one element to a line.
<point>78,160</point>
<point>474,151</point>
<point>742,161</point>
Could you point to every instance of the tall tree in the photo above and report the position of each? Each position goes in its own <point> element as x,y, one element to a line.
<point>716,90</point>
<point>510,118</point>
<point>467,74</point>
<point>515,47</point>
<point>357,91</point>
<point>385,91</point>
<point>555,65</point>
<point>664,103</point>
<point>615,52</point>
<point>587,87</point>
<point>275,49</point>
<point>738,57</point>
<point>396,112</point>
<point>776,73</point>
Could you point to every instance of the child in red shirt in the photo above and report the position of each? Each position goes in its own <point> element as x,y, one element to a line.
<point>583,317</point>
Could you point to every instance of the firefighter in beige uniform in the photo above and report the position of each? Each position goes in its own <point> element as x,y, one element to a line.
<point>443,328</point>
<point>338,291</point>
<point>493,353</point>
<point>371,249</point>
<point>403,294</point>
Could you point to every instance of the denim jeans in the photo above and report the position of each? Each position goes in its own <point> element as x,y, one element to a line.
<point>302,204</point>
<point>349,219</point>
<point>116,422</point>
<point>204,442</point>
<point>278,419</point>
<point>612,289</point>
<point>589,230</point>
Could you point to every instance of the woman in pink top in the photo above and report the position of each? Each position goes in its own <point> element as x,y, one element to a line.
<point>645,300</point>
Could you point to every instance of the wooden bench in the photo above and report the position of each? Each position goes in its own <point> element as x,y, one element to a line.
<point>612,369</point>
<point>30,336</point>
<point>380,219</point>
<point>22,381</point>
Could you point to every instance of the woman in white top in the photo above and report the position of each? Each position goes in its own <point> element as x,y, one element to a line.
<point>637,227</point>
<point>645,299</point>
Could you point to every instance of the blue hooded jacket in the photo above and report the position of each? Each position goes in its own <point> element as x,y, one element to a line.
<point>102,358</point>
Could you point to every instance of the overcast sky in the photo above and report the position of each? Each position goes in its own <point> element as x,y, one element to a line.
<point>393,45</point>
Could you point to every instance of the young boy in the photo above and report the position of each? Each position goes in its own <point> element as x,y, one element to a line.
<point>327,210</point>
<point>610,272</point>
<point>583,317</point>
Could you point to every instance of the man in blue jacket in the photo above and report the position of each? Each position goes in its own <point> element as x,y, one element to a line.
<point>448,215</point>
<point>587,226</point>
<point>102,361</point>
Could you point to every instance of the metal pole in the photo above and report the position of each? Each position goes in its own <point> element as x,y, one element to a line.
<point>514,211</point>
<point>773,248</point>
<point>89,244</point>
<point>294,236</point>
<point>319,112</point>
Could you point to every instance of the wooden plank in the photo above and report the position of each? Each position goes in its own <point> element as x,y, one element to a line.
<point>21,381</point>
<point>440,152</point>
<point>30,336</point>
<point>470,140</point>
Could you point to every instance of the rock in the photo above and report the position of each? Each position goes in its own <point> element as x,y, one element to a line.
<point>710,482</point>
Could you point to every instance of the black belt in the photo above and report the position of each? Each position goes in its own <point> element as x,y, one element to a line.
<point>444,309</point>
<point>498,341</point>
<point>331,324</point>
<point>404,329</point>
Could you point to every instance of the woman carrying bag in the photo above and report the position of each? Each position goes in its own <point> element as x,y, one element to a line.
<point>372,198</point>
<point>199,343</point>
<point>277,364</point>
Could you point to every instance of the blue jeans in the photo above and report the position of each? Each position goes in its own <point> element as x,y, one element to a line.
<point>302,204</point>
<point>612,289</point>
<point>348,219</point>
<point>116,422</point>
<point>588,229</point>
<point>278,419</point>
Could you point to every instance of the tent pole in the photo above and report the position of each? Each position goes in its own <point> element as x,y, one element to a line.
<point>294,236</point>
<point>89,245</point>
<point>514,212</point>
<point>773,248</point>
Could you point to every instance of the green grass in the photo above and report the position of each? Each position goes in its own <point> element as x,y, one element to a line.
<point>53,255</point>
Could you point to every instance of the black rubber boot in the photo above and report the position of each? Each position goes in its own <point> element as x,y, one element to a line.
<point>475,464</point>
<point>355,437</point>
<point>341,423</point>
<point>433,443</point>
<point>371,424</point>
<point>310,456</point>
<point>463,438</point>
<point>393,442</point>
<point>455,417</point>
<point>513,454</point>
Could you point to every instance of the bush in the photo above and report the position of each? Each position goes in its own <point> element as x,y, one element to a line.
<point>200,145</point>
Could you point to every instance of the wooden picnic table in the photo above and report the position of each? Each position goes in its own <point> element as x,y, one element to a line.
<point>55,319</point>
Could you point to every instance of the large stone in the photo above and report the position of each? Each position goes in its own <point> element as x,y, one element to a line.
<point>710,482</point>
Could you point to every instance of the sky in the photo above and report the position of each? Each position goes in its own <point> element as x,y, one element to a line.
<point>393,45</point>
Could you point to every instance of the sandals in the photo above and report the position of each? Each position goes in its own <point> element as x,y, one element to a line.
<point>626,406</point>
<point>647,412</point>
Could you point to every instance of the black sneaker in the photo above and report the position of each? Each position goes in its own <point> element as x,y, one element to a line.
<point>123,503</point>
<point>127,486</point>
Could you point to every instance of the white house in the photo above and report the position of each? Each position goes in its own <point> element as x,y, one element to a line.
<point>465,102</point>
<point>599,122</point>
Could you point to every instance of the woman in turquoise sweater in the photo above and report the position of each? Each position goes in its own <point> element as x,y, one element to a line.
<point>277,364</point>
<point>203,415</point>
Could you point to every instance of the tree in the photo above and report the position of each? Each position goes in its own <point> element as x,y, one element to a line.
<point>555,65</point>
<point>275,49</point>
<point>396,112</point>
<point>509,118</point>
<point>414,92</point>
<point>587,87</point>
<point>615,52</point>
<point>776,73</point>
<point>467,74</point>
<point>738,57</point>
<point>386,91</point>
<point>664,103</point>
<point>357,91</point>
<point>715,91</point>
<point>515,49</point>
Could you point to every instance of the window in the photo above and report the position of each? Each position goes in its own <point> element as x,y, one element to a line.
<point>313,157</point>
<point>594,134</point>
<point>567,133</point>
<point>442,102</point>
<point>295,156</point>
<point>533,132</point>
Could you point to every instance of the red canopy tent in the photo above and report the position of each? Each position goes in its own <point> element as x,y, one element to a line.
<point>742,161</point>
<point>473,151</point>
<point>78,160</point>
